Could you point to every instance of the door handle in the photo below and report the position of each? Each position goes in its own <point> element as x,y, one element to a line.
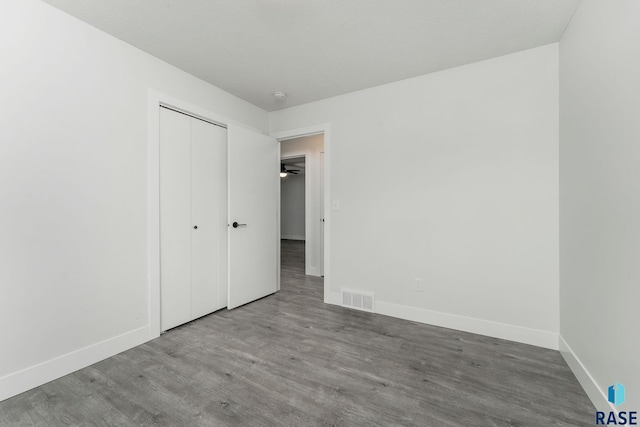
<point>236,225</point>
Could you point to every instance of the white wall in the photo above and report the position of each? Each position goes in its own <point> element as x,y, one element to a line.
<point>292,207</point>
<point>451,177</point>
<point>600,197</point>
<point>73,189</point>
<point>310,147</point>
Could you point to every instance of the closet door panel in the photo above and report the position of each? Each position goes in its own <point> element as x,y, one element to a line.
<point>208,161</point>
<point>220,185</point>
<point>175,244</point>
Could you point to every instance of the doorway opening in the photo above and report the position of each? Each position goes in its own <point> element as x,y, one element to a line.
<point>302,205</point>
<point>292,213</point>
<point>318,165</point>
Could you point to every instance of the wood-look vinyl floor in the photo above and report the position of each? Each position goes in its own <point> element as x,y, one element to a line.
<point>290,360</point>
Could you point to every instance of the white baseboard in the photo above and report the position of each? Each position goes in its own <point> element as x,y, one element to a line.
<point>489,328</point>
<point>586,380</point>
<point>333,298</point>
<point>311,271</point>
<point>34,376</point>
<point>290,237</point>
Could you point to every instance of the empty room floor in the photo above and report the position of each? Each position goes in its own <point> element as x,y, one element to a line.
<point>290,360</point>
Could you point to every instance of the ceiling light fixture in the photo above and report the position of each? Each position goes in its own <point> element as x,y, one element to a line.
<point>283,170</point>
<point>280,96</point>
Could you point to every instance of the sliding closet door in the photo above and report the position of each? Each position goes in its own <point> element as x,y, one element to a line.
<point>175,219</point>
<point>209,215</point>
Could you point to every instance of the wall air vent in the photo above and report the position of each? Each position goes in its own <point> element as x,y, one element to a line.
<point>360,300</point>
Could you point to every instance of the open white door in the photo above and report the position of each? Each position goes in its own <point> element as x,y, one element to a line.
<point>322,213</point>
<point>254,184</point>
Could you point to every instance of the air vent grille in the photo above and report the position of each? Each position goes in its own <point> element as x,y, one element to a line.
<point>360,300</point>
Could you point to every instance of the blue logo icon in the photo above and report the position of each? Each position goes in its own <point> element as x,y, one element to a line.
<point>616,394</point>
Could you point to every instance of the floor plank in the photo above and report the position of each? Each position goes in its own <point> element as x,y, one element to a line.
<point>290,360</point>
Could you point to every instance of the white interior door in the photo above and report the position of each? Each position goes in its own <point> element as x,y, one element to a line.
<point>193,218</point>
<point>175,219</point>
<point>254,197</point>
<point>209,215</point>
<point>322,213</point>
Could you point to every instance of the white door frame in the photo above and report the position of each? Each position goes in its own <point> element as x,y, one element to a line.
<point>156,99</point>
<point>325,129</point>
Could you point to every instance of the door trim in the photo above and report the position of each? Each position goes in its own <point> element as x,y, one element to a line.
<point>324,128</point>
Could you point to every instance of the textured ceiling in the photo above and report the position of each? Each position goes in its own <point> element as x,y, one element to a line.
<point>315,49</point>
